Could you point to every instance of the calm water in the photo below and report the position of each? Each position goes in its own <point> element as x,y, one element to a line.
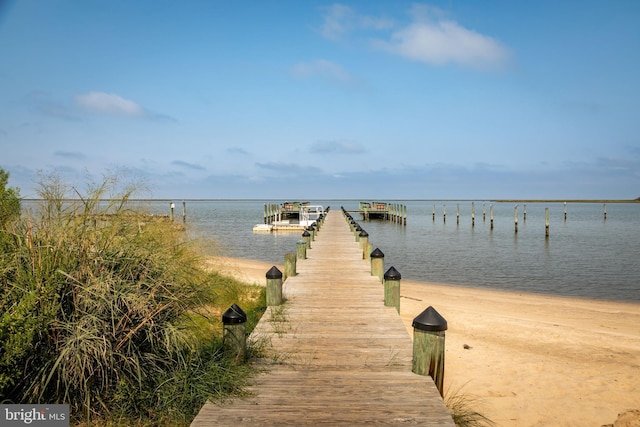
<point>585,256</point>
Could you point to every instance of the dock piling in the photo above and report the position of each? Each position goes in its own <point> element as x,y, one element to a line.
<point>392,288</point>
<point>274,286</point>
<point>377,263</point>
<point>428,345</point>
<point>234,332</point>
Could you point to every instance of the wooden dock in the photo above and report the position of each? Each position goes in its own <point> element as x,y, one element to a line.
<point>336,355</point>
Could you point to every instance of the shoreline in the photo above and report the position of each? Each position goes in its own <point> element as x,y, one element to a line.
<point>527,359</point>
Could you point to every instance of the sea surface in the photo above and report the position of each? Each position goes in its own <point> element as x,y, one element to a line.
<point>584,256</point>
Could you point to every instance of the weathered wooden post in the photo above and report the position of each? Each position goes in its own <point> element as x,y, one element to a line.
<point>234,333</point>
<point>565,211</point>
<point>605,211</point>
<point>515,217</point>
<point>364,243</point>
<point>444,213</point>
<point>546,222</point>
<point>184,212</point>
<point>367,251</point>
<point>473,214</point>
<point>392,288</point>
<point>171,208</point>
<point>457,213</point>
<point>377,263</point>
<point>484,213</point>
<point>306,236</point>
<point>405,214</point>
<point>491,216</point>
<point>289,265</point>
<point>524,213</point>
<point>265,215</point>
<point>433,215</point>
<point>301,249</point>
<point>274,286</point>
<point>428,346</point>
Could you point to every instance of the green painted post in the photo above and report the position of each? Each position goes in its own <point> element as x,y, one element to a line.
<point>363,242</point>
<point>289,265</point>
<point>377,263</point>
<point>392,288</point>
<point>301,249</point>
<point>306,236</point>
<point>428,346</point>
<point>234,333</point>
<point>274,286</point>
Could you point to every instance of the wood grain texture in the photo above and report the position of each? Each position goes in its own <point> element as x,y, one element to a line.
<point>335,354</point>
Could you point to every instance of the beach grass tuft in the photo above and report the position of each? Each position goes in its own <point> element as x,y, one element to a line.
<point>108,309</point>
<point>465,409</point>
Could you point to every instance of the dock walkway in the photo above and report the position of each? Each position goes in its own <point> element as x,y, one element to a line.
<point>337,355</point>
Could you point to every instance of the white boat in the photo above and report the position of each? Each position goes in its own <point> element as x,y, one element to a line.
<point>308,214</point>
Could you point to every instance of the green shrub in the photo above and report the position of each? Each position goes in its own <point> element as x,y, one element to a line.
<point>105,308</point>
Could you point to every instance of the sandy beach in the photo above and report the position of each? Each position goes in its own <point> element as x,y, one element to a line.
<point>529,360</point>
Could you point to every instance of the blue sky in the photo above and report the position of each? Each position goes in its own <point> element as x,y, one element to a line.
<point>311,100</point>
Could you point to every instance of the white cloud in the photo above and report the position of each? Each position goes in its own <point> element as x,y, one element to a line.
<point>340,19</point>
<point>337,21</point>
<point>109,103</point>
<point>336,147</point>
<point>321,68</point>
<point>435,40</point>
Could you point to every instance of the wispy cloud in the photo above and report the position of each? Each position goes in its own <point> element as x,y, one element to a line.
<point>109,103</point>
<point>42,102</point>
<point>433,39</point>
<point>75,155</point>
<point>289,168</point>
<point>237,150</point>
<point>321,68</point>
<point>187,165</point>
<point>340,19</point>
<point>336,147</point>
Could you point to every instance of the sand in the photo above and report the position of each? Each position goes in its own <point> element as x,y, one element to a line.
<point>530,360</point>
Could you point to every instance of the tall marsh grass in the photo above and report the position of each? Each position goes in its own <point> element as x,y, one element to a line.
<point>108,310</point>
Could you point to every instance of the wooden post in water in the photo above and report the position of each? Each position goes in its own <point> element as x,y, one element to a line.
<point>491,216</point>
<point>565,211</point>
<point>274,286</point>
<point>234,333</point>
<point>473,214</point>
<point>524,213</point>
<point>377,263</point>
<point>264,219</point>
<point>605,211</point>
<point>405,214</point>
<point>457,213</point>
<point>515,217</point>
<point>289,265</point>
<point>392,288</point>
<point>428,346</point>
<point>433,215</point>
<point>546,222</point>
<point>301,249</point>
<point>484,213</point>
<point>171,208</point>
<point>184,212</point>
<point>444,213</point>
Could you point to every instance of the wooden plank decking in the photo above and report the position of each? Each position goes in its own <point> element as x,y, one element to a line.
<point>337,355</point>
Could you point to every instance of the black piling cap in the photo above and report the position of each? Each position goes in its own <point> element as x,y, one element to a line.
<point>306,234</point>
<point>430,321</point>
<point>274,273</point>
<point>392,274</point>
<point>364,234</point>
<point>234,315</point>
<point>376,253</point>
